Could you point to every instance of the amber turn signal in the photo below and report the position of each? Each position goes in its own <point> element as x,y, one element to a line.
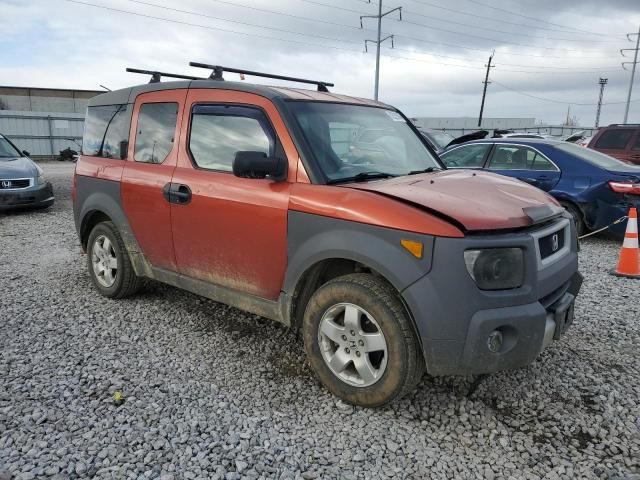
<point>414,248</point>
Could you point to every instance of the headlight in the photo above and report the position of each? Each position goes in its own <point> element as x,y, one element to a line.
<point>496,268</point>
<point>40,180</point>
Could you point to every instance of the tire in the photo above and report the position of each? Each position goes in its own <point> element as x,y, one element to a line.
<point>577,217</point>
<point>388,374</point>
<point>122,280</point>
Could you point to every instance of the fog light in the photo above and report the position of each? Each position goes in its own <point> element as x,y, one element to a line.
<point>494,341</point>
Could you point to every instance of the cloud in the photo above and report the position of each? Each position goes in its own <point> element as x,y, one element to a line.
<point>444,47</point>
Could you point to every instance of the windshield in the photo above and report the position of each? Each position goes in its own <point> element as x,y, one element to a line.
<point>440,139</point>
<point>351,140</point>
<point>596,158</point>
<point>7,150</point>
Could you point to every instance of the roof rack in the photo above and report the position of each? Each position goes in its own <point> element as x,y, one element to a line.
<point>218,70</point>
<point>156,76</point>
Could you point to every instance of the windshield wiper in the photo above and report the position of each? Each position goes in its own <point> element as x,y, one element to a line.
<point>425,170</point>
<point>361,177</point>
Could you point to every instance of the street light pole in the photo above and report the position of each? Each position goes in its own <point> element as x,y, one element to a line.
<point>602,82</point>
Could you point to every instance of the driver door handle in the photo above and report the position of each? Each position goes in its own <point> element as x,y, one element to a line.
<point>176,193</point>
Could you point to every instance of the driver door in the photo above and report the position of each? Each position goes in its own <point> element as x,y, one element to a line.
<point>231,231</point>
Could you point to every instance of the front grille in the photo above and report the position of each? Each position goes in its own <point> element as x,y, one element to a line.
<point>6,184</point>
<point>551,243</point>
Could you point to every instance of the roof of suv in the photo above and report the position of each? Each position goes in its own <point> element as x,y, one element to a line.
<point>128,95</point>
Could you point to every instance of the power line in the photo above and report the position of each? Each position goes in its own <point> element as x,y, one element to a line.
<point>498,41</point>
<point>409,37</point>
<point>468,25</point>
<point>502,20</point>
<point>190,12</point>
<point>315,2</point>
<point>551,100</point>
<point>286,14</point>
<point>502,10</point>
<point>298,42</point>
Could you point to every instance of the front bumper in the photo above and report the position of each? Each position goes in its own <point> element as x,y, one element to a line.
<point>455,319</point>
<point>37,196</point>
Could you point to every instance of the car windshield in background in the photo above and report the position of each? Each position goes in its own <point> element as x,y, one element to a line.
<point>351,141</point>
<point>596,158</point>
<point>440,139</point>
<point>7,150</point>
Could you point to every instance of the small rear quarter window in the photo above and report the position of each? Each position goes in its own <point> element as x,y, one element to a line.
<point>155,131</point>
<point>105,127</point>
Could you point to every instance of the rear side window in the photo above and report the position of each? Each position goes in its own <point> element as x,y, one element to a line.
<point>155,132</point>
<point>468,156</point>
<point>105,128</point>
<point>218,132</point>
<point>615,139</point>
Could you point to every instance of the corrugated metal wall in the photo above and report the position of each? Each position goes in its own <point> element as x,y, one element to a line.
<point>42,135</point>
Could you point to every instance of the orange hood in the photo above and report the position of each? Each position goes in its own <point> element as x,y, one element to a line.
<point>476,200</point>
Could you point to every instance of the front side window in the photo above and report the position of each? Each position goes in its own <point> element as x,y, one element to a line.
<point>155,132</point>
<point>105,128</point>
<point>218,132</point>
<point>467,156</point>
<point>615,139</point>
<point>349,140</point>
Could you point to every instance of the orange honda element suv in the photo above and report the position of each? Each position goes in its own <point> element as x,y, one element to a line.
<point>330,214</point>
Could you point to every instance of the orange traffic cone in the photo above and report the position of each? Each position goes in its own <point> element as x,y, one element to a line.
<point>629,263</point>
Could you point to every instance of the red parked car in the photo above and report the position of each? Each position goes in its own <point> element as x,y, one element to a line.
<point>270,200</point>
<point>621,141</point>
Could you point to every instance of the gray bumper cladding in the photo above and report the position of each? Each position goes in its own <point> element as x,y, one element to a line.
<point>458,322</point>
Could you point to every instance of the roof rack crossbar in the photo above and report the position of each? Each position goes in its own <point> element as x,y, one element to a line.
<point>156,76</point>
<point>218,70</point>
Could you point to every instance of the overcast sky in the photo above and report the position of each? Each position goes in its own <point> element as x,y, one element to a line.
<point>553,49</point>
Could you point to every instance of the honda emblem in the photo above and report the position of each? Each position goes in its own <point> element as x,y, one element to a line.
<point>6,183</point>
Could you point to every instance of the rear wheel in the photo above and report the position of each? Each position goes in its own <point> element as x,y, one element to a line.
<point>577,217</point>
<point>360,341</point>
<point>108,262</point>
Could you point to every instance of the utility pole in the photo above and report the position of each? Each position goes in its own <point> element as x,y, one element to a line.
<point>633,68</point>
<point>602,82</point>
<point>379,41</point>
<point>484,90</point>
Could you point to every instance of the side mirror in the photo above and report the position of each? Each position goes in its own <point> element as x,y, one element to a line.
<point>124,148</point>
<point>249,164</point>
<point>25,153</point>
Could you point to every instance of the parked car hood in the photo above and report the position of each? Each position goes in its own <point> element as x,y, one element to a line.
<point>18,167</point>
<point>476,200</point>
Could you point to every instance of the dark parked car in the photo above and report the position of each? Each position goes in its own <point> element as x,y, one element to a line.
<point>621,141</point>
<point>437,139</point>
<point>22,183</point>
<point>595,188</point>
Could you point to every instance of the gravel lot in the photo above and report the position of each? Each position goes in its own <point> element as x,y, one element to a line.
<point>212,392</point>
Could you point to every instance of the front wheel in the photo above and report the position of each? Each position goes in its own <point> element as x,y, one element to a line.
<point>360,341</point>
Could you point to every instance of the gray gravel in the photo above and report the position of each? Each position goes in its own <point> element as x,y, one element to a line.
<point>212,392</point>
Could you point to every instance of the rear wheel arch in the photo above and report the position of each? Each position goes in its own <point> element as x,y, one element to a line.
<point>577,213</point>
<point>89,221</point>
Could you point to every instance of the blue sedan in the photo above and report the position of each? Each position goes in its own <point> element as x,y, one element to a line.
<point>595,188</point>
